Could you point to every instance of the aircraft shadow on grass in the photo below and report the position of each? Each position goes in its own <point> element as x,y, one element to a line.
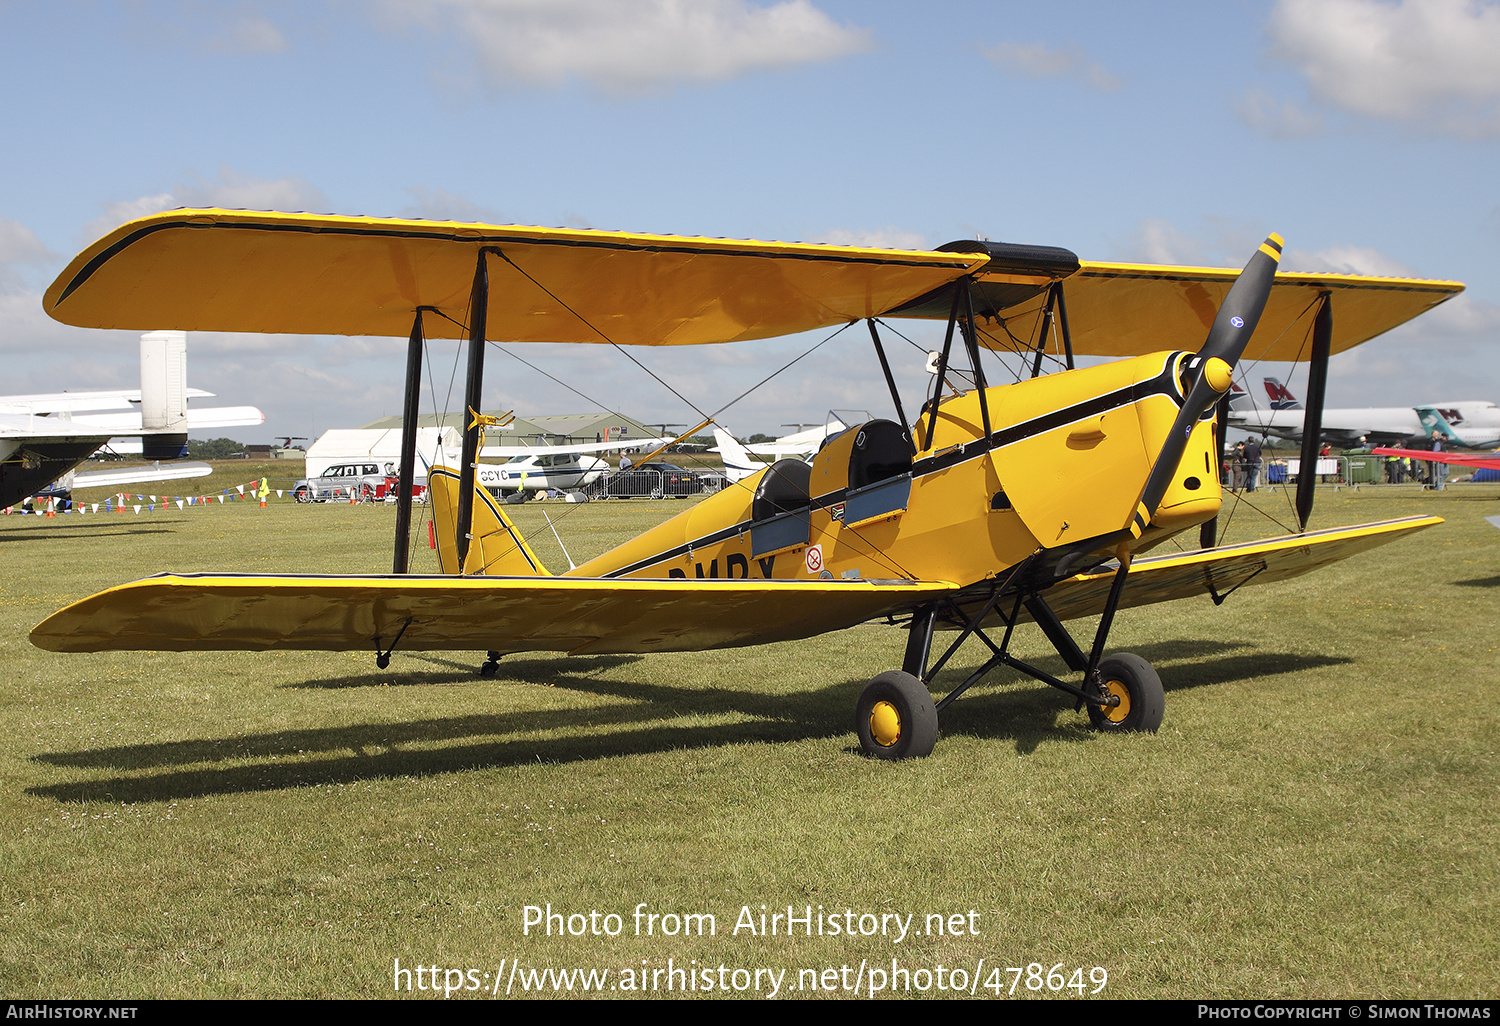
<point>1029,716</point>
<point>103,531</point>
<point>458,671</point>
<point>1480,582</point>
<point>646,711</point>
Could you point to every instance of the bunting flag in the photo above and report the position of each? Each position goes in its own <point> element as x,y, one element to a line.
<point>260,490</point>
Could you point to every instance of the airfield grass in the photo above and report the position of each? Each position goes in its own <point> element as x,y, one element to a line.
<point>1316,818</point>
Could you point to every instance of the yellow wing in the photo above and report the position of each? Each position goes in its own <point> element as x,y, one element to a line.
<point>201,612</point>
<point>1128,309</point>
<point>230,270</point>
<point>1133,309</point>
<point>1218,571</point>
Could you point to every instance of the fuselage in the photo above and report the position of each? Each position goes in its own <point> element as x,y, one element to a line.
<point>536,473</point>
<point>1474,423</point>
<point>1060,471</point>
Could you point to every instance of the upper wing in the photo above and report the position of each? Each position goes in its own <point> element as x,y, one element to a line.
<point>1462,459</point>
<point>1131,309</point>
<point>196,612</point>
<point>1127,309</point>
<point>1216,572</point>
<point>320,274</point>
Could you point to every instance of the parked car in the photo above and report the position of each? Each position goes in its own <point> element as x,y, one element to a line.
<point>365,481</point>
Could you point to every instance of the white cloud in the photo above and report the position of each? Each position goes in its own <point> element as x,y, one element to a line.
<point>1427,62</point>
<point>882,238</point>
<point>631,45</point>
<point>18,246</point>
<point>1347,260</point>
<point>251,35</point>
<point>441,205</point>
<point>1037,60</point>
<point>1279,119</point>
<point>230,190</point>
<point>1217,242</point>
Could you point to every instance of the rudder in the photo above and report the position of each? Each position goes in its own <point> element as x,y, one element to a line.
<point>496,547</point>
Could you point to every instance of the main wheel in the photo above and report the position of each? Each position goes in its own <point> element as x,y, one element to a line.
<point>304,495</point>
<point>1132,680</point>
<point>896,718</point>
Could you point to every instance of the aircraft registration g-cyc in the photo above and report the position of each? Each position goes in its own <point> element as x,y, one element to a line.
<point>993,506</point>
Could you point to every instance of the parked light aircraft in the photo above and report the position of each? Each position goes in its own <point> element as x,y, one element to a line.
<point>1473,423</point>
<point>994,506</point>
<point>536,468</point>
<point>44,436</point>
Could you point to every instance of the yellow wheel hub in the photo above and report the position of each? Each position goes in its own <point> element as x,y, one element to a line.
<point>1117,713</point>
<point>885,724</point>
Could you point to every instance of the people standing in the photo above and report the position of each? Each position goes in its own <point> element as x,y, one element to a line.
<point>1252,464</point>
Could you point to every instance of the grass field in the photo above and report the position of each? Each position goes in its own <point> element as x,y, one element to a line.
<point>1317,816</point>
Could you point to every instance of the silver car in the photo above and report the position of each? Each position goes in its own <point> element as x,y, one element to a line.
<point>363,481</point>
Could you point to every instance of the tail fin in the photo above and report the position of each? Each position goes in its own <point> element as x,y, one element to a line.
<point>496,547</point>
<point>1433,420</point>
<point>738,463</point>
<point>164,394</point>
<point>1239,399</point>
<point>1281,396</point>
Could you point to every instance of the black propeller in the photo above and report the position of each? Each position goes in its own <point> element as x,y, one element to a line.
<point>1210,372</point>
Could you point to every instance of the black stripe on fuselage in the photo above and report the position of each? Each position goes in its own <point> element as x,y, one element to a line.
<point>1164,383</point>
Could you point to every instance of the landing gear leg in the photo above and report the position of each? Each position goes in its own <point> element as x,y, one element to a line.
<point>490,666</point>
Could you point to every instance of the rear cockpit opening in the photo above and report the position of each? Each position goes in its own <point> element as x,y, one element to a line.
<point>784,488</point>
<point>881,450</point>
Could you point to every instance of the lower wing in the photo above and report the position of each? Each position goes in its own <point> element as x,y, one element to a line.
<point>193,612</point>
<point>1218,571</point>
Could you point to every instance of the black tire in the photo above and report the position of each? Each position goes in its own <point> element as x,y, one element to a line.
<point>895,717</point>
<point>304,495</point>
<point>1142,698</point>
<point>366,493</point>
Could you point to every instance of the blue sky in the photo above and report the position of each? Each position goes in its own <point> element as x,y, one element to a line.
<point>1364,132</point>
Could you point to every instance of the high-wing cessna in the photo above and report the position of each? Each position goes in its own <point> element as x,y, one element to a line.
<point>536,468</point>
<point>43,437</point>
<point>994,505</point>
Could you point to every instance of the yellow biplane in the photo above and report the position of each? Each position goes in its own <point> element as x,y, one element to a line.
<point>997,505</point>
